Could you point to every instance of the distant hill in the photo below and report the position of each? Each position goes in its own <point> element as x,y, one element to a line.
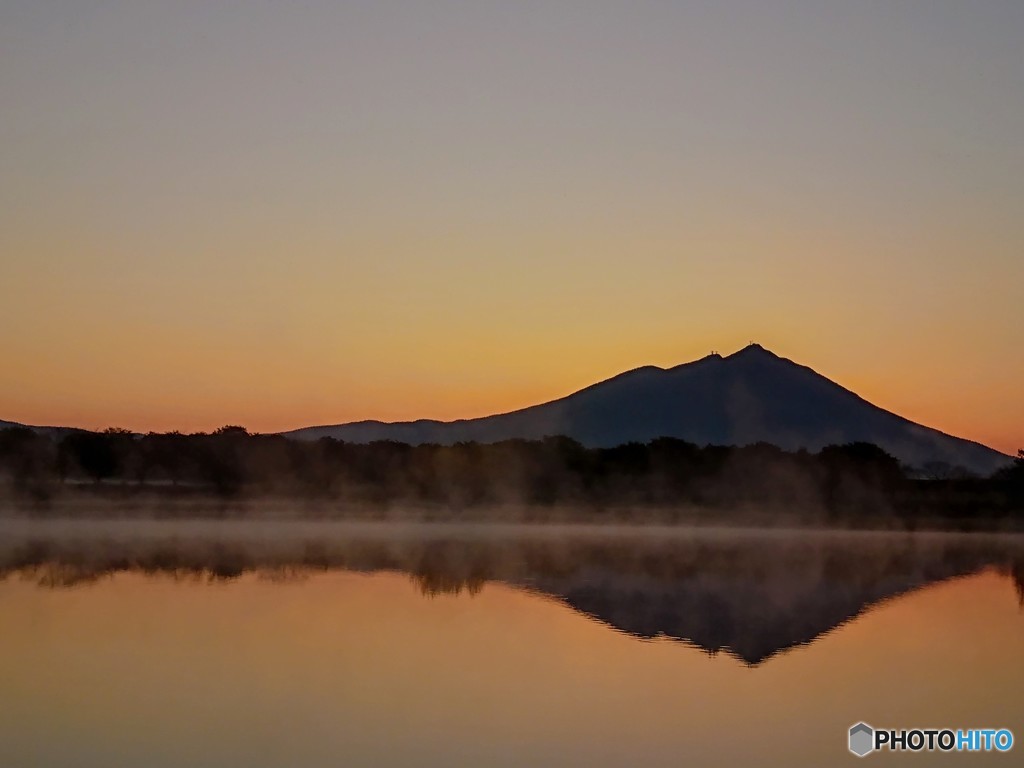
<point>747,397</point>
<point>55,432</point>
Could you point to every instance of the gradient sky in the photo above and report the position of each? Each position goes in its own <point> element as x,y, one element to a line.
<point>280,214</point>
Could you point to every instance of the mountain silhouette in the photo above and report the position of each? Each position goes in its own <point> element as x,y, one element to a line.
<point>56,432</point>
<point>751,620</point>
<point>748,397</point>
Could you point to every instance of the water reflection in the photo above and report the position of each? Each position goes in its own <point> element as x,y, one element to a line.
<point>750,594</point>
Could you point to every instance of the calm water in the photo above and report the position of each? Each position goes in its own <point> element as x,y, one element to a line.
<point>233,644</point>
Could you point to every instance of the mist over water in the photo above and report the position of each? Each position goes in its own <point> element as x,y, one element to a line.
<point>750,592</point>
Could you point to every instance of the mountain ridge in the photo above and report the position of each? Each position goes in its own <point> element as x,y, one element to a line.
<point>752,395</point>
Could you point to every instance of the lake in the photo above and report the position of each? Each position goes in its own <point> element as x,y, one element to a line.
<point>258,644</point>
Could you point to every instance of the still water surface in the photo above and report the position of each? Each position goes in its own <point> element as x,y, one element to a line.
<point>363,646</point>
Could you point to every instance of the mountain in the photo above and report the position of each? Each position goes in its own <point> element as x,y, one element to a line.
<point>55,432</point>
<point>750,396</point>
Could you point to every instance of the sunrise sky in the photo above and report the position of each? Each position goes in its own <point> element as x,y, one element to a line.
<point>289,213</point>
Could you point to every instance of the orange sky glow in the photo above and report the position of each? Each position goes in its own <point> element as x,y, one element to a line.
<point>280,218</point>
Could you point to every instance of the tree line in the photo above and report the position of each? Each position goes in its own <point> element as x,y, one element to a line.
<point>841,480</point>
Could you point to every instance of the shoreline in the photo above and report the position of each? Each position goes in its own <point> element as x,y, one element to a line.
<point>257,527</point>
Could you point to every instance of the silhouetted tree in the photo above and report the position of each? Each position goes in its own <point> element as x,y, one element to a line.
<point>14,445</point>
<point>94,452</point>
<point>1012,480</point>
<point>167,456</point>
<point>221,460</point>
<point>26,458</point>
<point>859,476</point>
<point>856,482</point>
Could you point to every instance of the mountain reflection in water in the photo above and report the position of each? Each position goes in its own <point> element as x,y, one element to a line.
<point>751,594</point>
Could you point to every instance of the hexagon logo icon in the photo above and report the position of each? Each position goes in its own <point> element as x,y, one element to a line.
<point>862,739</point>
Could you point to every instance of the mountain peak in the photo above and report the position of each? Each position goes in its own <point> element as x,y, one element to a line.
<point>753,349</point>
